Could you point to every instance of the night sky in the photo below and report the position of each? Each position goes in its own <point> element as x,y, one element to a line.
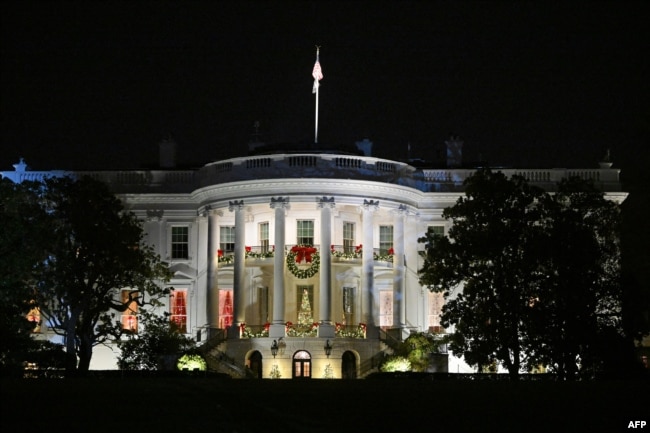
<point>89,85</point>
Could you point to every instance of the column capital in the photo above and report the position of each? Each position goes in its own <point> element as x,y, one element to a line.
<point>280,202</point>
<point>325,202</point>
<point>235,205</point>
<point>405,210</point>
<point>155,214</point>
<point>371,205</point>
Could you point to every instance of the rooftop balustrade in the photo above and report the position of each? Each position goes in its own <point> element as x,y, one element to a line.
<point>281,166</point>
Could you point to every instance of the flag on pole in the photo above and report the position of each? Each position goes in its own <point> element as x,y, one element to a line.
<point>317,73</point>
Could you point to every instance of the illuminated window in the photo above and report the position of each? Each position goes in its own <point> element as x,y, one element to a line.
<point>180,242</point>
<point>435,301</point>
<point>178,309</point>
<point>385,239</point>
<point>348,237</point>
<point>264,236</point>
<point>305,230</point>
<point>225,308</point>
<point>386,308</point>
<point>130,315</point>
<point>34,316</point>
<point>227,239</point>
<point>302,364</point>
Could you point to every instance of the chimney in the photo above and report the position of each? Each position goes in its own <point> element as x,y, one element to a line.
<point>167,153</point>
<point>365,147</point>
<point>454,152</point>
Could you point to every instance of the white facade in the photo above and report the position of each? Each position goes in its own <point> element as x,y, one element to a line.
<point>228,229</point>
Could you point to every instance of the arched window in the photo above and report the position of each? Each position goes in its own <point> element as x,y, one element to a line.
<point>301,365</point>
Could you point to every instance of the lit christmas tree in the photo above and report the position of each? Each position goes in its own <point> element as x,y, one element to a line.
<point>304,315</point>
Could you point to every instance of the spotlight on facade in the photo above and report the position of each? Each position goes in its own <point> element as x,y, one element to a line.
<point>274,348</point>
<point>328,348</point>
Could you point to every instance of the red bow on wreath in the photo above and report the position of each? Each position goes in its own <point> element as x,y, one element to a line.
<point>303,253</point>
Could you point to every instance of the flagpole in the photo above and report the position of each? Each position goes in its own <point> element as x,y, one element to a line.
<point>317,73</point>
<point>316,125</point>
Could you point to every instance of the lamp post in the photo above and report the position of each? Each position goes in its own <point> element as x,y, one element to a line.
<point>328,348</point>
<point>274,348</point>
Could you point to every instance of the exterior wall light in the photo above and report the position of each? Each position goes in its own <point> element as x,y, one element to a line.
<point>328,348</point>
<point>274,348</point>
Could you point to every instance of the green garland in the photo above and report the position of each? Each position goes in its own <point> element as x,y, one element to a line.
<point>303,273</point>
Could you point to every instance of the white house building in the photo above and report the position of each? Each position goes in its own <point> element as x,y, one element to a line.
<point>299,263</point>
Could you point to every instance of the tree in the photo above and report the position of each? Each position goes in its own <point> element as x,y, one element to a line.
<point>486,270</point>
<point>97,250</point>
<point>578,306</point>
<point>23,237</point>
<point>157,347</point>
<point>529,277</point>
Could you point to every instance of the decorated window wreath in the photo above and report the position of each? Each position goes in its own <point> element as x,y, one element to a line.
<point>300,253</point>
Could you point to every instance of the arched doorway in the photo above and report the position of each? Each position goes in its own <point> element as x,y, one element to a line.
<point>301,365</point>
<point>348,365</point>
<point>255,364</point>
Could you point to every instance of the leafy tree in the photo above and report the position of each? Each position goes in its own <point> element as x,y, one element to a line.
<point>97,249</point>
<point>530,277</point>
<point>23,236</point>
<point>157,347</point>
<point>578,305</point>
<point>487,269</point>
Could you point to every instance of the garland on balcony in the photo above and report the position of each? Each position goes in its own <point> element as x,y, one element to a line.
<point>301,253</point>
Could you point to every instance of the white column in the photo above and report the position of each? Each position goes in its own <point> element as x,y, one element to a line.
<point>325,328</point>
<point>212,292</point>
<point>369,295</point>
<point>277,328</point>
<point>399,304</point>
<point>239,279</point>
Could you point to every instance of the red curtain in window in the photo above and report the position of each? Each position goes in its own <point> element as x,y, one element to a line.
<point>179,309</point>
<point>226,310</point>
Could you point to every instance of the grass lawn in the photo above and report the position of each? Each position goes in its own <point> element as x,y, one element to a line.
<point>204,404</point>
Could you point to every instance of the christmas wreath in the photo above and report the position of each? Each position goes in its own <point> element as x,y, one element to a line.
<point>300,253</point>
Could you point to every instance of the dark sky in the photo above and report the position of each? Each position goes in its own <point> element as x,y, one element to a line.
<point>98,85</point>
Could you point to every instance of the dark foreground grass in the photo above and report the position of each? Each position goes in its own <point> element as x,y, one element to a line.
<point>204,404</point>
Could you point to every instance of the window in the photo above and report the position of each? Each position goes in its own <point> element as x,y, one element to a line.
<point>386,308</point>
<point>385,239</point>
<point>437,230</point>
<point>178,309</point>
<point>227,239</point>
<point>225,308</point>
<point>130,315</point>
<point>180,242</point>
<point>264,237</point>
<point>435,303</point>
<point>302,364</point>
<point>34,316</point>
<point>305,301</point>
<point>305,231</point>
<point>348,238</point>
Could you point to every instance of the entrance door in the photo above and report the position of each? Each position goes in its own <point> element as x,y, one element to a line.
<point>255,362</point>
<point>302,365</point>
<point>349,365</point>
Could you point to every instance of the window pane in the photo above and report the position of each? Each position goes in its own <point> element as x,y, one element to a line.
<point>264,236</point>
<point>385,239</point>
<point>130,315</point>
<point>305,230</point>
<point>227,239</point>
<point>348,237</point>
<point>178,307</point>
<point>180,242</point>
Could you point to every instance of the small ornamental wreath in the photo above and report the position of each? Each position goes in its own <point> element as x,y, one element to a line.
<point>293,267</point>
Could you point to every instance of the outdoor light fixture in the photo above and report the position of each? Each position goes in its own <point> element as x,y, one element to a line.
<point>274,348</point>
<point>328,348</point>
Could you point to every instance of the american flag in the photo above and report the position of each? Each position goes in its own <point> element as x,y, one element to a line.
<point>317,73</point>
